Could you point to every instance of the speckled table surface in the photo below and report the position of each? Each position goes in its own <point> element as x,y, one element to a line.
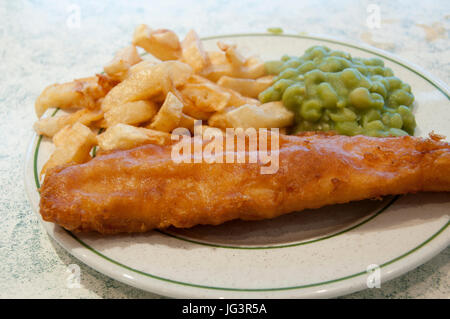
<point>43,42</point>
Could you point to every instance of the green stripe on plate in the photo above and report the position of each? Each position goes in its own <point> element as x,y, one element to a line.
<point>256,289</point>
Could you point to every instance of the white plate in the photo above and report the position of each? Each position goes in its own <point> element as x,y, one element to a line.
<point>316,253</point>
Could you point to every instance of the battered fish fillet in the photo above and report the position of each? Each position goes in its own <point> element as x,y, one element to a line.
<point>142,188</point>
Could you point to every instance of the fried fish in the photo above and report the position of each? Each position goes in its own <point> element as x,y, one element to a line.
<point>140,189</point>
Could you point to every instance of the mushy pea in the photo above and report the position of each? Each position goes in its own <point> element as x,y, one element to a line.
<point>330,90</point>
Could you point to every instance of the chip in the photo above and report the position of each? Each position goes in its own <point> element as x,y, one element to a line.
<point>268,115</point>
<point>207,97</point>
<point>73,145</point>
<point>247,87</point>
<point>123,136</point>
<point>49,126</point>
<point>146,84</point>
<point>131,113</point>
<point>169,115</point>
<point>162,44</point>
<point>193,52</point>
<point>122,62</point>
<point>80,93</point>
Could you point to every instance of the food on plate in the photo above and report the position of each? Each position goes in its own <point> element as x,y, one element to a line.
<point>73,145</point>
<point>81,93</point>
<point>142,188</point>
<point>230,62</point>
<point>131,113</point>
<point>112,169</point>
<point>169,115</point>
<point>247,87</point>
<point>193,52</point>
<point>206,97</point>
<point>147,83</point>
<point>162,44</point>
<point>275,30</point>
<point>118,67</point>
<point>268,115</point>
<point>123,136</point>
<point>242,67</point>
<point>235,98</point>
<point>49,126</point>
<point>179,83</point>
<point>331,90</point>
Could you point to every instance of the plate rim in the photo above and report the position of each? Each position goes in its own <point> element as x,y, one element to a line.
<point>333,291</point>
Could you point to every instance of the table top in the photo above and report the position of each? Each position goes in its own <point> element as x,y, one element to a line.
<point>47,42</point>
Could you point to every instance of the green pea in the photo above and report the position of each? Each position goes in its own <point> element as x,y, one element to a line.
<point>293,96</point>
<point>345,63</point>
<point>394,82</point>
<point>374,62</point>
<point>376,125</point>
<point>409,122</point>
<point>406,87</point>
<point>293,63</point>
<point>327,94</point>
<point>386,118</point>
<point>377,101</point>
<point>317,51</point>
<point>341,54</point>
<point>335,81</point>
<point>331,90</point>
<point>396,121</point>
<point>334,64</point>
<point>288,73</point>
<point>382,81</point>
<point>363,69</point>
<point>282,85</point>
<point>351,77</point>
<point>269,95</point>
<point>306,67</point>
<point>360,98</point>
<point>314,77</point>
<point>348,128</point>
<point>376,70</point>
<point>376,77</point>
<point>389,109</point>
<point>378,87</point>
<point>393,120</point>
<point>343,115</point>
<point>371,115</point>
<point>400,97</point>
<point>275,30</point>
<point>311,110</point>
